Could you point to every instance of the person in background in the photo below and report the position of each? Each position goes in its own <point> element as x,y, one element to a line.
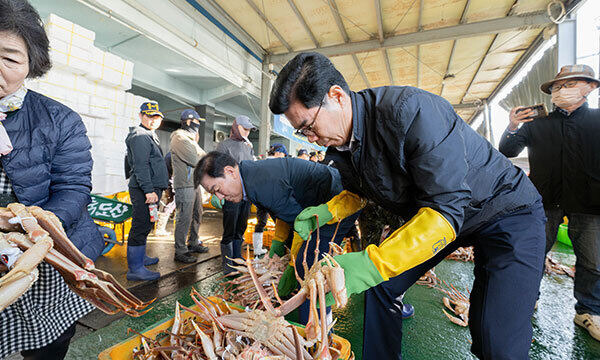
<point>149,177</point>
<point>313,156</point>
<point>321,156</point>
<point>564,152</point>
<point>235,214</point>
<point>185,154</point>
<point>278,150</point>
<point>302,154</point>
<point>166,203</point>
<point>45,161</point>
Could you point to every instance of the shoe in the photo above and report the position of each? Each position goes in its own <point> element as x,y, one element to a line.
<point>150,260</point>
<point>407,311</point>
<point>590,322</point>
<point>198,248</point>
<point>187,258</point>
<point>257,243</point>
<point>135,264</point>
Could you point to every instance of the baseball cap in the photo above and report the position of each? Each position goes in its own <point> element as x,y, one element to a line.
<point>245,122</point>
<point>302,152</point>
<point>189,114</point>
<point>150,108</point>
<point>278,147</point>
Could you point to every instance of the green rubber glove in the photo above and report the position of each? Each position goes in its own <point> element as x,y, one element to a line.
<point>360,274</point>
<point>306,222</point>
<point>218,204</point>
<point>277,248</point>
<point>288,282</point>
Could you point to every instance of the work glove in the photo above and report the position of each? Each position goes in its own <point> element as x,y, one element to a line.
<point>216,202</point>
<point>415,242</point>
<point>338,208</point>
<point>282,230</point>
<point>288,282</point>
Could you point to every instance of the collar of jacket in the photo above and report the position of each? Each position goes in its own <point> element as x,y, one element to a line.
<point>358,118</point>
<point>576,111</point>
<point>188,134</point>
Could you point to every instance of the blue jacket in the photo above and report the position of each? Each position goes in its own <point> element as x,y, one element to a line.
<point>285,186</point>
<point>410,150</point>
<point>50,166</point>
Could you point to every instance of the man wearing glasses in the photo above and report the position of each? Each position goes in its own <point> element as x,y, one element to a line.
<point>408,151</point>
<point>564,158</point>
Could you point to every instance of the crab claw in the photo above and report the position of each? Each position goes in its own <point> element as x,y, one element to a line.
<point>336,280</point>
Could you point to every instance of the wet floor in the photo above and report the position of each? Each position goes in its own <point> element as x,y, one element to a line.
<point>428,335</point>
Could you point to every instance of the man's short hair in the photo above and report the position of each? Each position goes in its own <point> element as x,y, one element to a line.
<point>212,164</point>
<point>307,78</point>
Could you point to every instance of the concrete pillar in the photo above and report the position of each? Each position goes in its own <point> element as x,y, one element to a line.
<point>566,43</point>
<point>264,135</point>
<point>207,128</point>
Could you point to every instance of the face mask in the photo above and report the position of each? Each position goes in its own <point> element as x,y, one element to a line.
<point>566,98</point>
<point>192,127</point>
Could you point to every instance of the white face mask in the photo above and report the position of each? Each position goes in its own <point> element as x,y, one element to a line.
<point>566,98</point>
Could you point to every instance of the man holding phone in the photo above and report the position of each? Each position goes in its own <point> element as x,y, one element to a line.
<point>563,151</point>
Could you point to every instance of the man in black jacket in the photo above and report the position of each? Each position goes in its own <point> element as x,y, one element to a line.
<point>409,152</point>
<point>148,179</point>
<point>564,158</point>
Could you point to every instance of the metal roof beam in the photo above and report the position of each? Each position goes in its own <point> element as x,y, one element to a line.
<point>463,19</point>
<point>269,24</point>
<point>338,19</point>
<point>460,31</point>
<point>388,67</point>
<point>303,22</point>
<point>360,70</point>
<point>380,34</point>
<point>469,105</point>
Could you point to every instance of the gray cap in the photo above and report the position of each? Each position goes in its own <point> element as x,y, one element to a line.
<point>245,122</point>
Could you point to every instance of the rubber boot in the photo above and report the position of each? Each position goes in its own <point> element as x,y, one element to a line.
<point>226,254</point>
<point>257,244</point>
<point>135,263</point>
<point>161,225</point>
<point>148,260</point>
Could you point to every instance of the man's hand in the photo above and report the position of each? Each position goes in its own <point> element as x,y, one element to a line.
<point>287,282</point>
<point>517,118</point>
<point>151,198</point>
<point>306,222</point>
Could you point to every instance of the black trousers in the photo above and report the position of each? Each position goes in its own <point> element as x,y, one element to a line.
<point>140,220</point>
<point>56,350</point>
<point>262,216</point>
<point>235,221</point>
<point>509,253</point>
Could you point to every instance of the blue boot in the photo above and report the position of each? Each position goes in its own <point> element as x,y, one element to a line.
<point>135,263</point>
<point>150,260</point>
<point>407,311</point>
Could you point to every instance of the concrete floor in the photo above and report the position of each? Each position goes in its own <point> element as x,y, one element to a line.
<point>428,335</point>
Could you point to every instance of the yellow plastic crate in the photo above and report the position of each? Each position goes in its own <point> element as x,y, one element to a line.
<point>124,350</point>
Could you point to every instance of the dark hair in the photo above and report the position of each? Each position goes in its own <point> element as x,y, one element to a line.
<point>20,18</point>
<point>212,164</point>
<point>307,77</point>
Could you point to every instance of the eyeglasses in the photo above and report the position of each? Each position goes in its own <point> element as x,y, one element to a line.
<point>569,84</point>
<point>307,130</point>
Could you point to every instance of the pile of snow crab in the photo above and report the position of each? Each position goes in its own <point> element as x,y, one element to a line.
<point>455,301</point>
<point>31,235</point>
<point>216,330</point>
<point>464,254</point>
<point>553,267</point>
<point>240,289</point>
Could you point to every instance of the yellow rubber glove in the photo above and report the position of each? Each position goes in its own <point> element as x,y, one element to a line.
<point>343,205</point>
<point>282,230</point>
<point>414,243</point>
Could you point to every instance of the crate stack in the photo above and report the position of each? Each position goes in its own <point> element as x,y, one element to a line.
<point>93,83</point>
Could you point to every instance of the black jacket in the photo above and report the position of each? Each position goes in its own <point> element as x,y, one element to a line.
<point>409,150</point>
<point>286,186</point>
<point>564,158</point>
<point>148,169</point>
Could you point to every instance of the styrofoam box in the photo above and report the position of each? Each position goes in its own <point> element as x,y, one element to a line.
<point>65,56</point>
<point>110,69</point>
<point>64,30</point>
<point>98,107</point>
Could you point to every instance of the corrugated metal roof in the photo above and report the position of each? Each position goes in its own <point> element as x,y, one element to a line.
<point>459,49</point>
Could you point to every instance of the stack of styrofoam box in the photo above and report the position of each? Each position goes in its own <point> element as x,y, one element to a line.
<point>92,83</point>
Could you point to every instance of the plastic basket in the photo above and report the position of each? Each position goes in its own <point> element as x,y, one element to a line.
<point>124,350</point>
<point>563,235</point>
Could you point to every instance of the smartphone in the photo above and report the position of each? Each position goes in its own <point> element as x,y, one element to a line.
<point>539,111</point>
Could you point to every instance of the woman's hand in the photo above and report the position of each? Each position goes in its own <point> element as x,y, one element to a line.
<point>151,198</point>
